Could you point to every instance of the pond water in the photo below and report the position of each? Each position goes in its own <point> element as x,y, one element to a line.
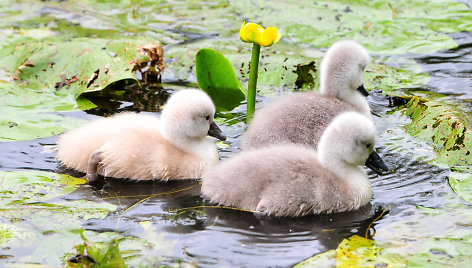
<point>216,237</point>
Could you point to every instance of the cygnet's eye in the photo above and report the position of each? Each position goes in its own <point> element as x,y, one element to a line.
<point>368,145</point>
<point>207,117</point>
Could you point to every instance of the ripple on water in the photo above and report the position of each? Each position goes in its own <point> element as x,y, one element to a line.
<point>450,70</point>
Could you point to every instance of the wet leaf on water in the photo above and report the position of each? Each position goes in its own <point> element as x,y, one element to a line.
<point>24,125</point>
<point>443,252</point>
<point>355,251</point>
<point>12,235</point>
<point>101,254</point>
<point>445,126</point>
<point>31,113</point>
<point>461,183</point>
<point>418,26</point>
<point>395,81</point>
<point>23,187</point>
<point>325,259</point>
<point>73,66</point>
<point>215,76</point>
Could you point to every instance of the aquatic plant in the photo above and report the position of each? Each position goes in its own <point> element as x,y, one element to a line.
<point>215,74</point>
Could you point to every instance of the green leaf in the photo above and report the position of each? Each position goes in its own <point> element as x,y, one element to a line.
<point>31,114</point>
<point>216,76</point>
<point>443,252</point>
<point>72,66</point>
<point>417,26</point>
<point>325,259</point>
<point>25,125</point>
<point>461,183</point>
<point>14,235</point>
<point>395,81</point>
<point>445,126</point>
<point>25,187</point>
<point>355,251</point>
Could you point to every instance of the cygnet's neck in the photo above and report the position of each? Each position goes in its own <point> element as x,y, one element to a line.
<point>344,93</point>
<point>353,176</point>
<point>199,146</point>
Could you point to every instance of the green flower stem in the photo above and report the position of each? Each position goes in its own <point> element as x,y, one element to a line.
<point>251,91</point>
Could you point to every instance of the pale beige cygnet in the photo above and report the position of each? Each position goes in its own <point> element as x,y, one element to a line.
<point>144,147</point>
<point>302,117</point>
<point>290,180</point>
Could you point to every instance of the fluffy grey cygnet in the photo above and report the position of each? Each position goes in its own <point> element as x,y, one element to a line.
<point>144,147</point>
<point>290,180</point>
<point>302,117</point>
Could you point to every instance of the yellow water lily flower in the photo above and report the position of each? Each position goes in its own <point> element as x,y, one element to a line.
<point>254,33</point>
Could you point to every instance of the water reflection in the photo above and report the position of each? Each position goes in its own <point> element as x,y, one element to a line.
<point>207,233</point>
<point>451,70</point>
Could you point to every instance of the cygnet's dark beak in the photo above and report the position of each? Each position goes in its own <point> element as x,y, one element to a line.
<point>362,90</point>
<point>376,163</point>
<point>216,132</point>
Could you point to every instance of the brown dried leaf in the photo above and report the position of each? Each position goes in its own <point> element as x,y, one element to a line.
<point>93,77</point>
<point>65,81</point>
<point>151,68</point>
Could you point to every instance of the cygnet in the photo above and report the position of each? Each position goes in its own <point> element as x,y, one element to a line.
<point>143,147</point>
<point>302,117</point>
<point>290,180</point>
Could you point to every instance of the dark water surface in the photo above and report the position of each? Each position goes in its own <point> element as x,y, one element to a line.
<point>212,237</point>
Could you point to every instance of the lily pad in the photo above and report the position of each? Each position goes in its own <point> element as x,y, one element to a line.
<point>72,66</point>
<point>325,259</point>
<point>355,251</point>
<point>23,187</point>
<point>216,77</point>
<point>443,252</point>
<point>25,125</point>
<point>461,183</point>
<point>395,81</point>
<point>33,204</point>
<point>445,126</point>
<point>403,27</point>
<point>12,235</point>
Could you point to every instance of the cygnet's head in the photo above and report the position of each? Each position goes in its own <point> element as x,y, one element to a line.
<point>189,114</point>
<point>350,139</point>
<point>342,69</point>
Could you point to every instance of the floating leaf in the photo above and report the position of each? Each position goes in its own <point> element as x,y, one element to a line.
<point>416,28</point>
<point>443,252</point>
<point>325,259</point>
<point>25,125</point>
<point>355,251</point>
<point>23,187</point>
<point>73,66</point>
<point>14,235</point>
<point>461,183</point>
<point>443,125</point>
<point>215,76</point>
<point>395,81</point>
